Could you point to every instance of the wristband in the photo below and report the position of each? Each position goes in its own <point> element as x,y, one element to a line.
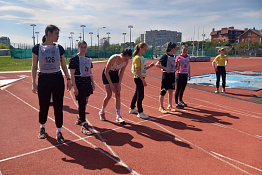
<point>68,78</point>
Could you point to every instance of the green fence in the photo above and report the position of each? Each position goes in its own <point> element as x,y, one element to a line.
<point>150,54</point>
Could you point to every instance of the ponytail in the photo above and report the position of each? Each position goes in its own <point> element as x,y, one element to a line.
<point>170,46</point>
<point>138,47</point>
<point>43,39</point>
<point>50,28</point>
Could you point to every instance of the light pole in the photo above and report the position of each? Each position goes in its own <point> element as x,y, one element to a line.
<point>70,42</point>
<point>80,36</point>
<point>33,25</point>
<point>76,44</point>
<point>72,39</point>
<point>37,36</point>
<point>130,26</point>
<point>124,39</point>
<point>91,33</point>
<point>202,44</point>
<point>98,40</point>
<point>83,26</point>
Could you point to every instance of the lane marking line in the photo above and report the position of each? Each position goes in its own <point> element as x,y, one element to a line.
<point>81,138</point>
<point>220,155</point>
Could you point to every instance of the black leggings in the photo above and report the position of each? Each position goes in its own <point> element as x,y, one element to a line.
<point>221,71</point>
<point>138,96</point>
<point>181,83</point>
<point>84,91</point>
<point>51,84</point>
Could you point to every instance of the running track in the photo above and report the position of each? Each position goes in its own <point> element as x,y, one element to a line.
<point>216,134</point>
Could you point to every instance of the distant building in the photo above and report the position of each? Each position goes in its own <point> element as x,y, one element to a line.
<point>250,35</point>
<point>226,34</point>
<point>5,40</point>
<point>160,37</point>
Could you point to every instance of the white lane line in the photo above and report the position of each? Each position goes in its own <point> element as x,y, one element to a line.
<point>220,155</point>
<point>180,138</point>
<point>104,142</point>
<point>205,119</point>
<point>81,138</point>
<point>202,149</point>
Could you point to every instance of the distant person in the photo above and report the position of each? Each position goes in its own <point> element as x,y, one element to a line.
<point>112,76</point>
<point>219,64</point>
<point>82,78</point>
<point>167,64</point>
<point>183,75</point>
<point>139,70</point>
<point>50,79</point>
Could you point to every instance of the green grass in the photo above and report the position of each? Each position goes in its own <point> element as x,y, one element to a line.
<point>10,64</point>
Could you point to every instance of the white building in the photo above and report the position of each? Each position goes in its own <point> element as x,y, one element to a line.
<point>160,37</point>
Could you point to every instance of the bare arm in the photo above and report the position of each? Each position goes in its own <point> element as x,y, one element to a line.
<point>158,64</point>
<point>33,72</point>
<point>214,65</point>
<point>65,70</point>
<point>92,80</point>
<point>121,74</point>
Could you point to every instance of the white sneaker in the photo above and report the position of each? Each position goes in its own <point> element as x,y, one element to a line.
<point>142,115</point>
<point>216,91</point>
<point>133,111</point>
<point>223,90</point>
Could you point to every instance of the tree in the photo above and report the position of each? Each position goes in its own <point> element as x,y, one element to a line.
<point>137,41</point>
<point>4,46</point>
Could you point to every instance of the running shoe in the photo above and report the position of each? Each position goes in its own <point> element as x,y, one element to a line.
<point>133,111</point>
<point>85,129</point>
<point>223,90</point>
<point>142,115</point>
<point>60,138</point>
<point>179,106</point>
<point>216,91</point>
<point>182,103</point>
<point>42,133</point>
<point>120,120</point>
<point>171,108</point>
<point>78,121</point>
<point>102,116</point>
<point>162,110</point>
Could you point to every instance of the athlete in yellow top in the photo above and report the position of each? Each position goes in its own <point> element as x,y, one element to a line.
<point>139,70</point>
<point>221,62</point>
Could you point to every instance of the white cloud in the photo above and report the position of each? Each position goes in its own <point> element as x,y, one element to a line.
<point>253,14</point>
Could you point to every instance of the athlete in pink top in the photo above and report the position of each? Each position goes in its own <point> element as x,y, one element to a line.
<point>183,73</point>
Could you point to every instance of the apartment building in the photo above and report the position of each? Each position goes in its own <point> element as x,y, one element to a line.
<point>160,37</point>
<point>229,34</point>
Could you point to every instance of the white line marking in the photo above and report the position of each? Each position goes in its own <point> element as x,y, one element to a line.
<point>104,142</point>
<point>81,138</point>
<point>220,155</point>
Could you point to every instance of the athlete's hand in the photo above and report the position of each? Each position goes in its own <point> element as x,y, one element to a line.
<point>167,70</point>
<point>144,83</point>
<point>119,87</point>
<point>113,88</point>
<point>34,88</point>
<point>76,91</point>
<point>151,64</point>
<point>69,85</point>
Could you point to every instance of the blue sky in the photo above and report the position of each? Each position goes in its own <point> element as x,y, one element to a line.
<point>176,15</point>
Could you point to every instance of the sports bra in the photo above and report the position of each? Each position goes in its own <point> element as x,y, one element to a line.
<point>117,67</point>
